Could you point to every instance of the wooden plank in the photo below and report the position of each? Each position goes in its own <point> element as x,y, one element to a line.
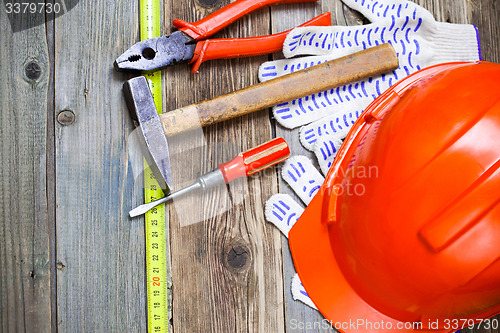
<point>100,251</point>
<point>483,14</point>
<point>51,174</point>
<point>226,270</point>
<point>25,304</point>
<point>298,316</point>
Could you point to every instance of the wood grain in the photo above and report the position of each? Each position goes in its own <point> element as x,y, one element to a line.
<point>226,270</point>
<point>232,271</point>
<point>485,15</point>
<point>24,229</point>
<point>100,251</point>
<point>297,313</point>
<point>479,13</point>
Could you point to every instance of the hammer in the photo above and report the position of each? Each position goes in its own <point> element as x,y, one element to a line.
<point>156,128</point>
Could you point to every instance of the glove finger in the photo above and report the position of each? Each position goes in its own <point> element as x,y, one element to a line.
<point>309,41</point>
<point>325,150</point>
<point>335,41</point>
<point>408,11</point>
<point>308,109</point>
<point>336,125</point>
<point>273,69</point>
<point>373,10</point>
<point>299,293</point>
<point>282,211</point>
<point>303,177</point>
<point>380,10</point>
<point>303,110</point>
<point>351,99</point>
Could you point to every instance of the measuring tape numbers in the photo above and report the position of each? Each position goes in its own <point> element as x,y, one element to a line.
<point>156,247</point>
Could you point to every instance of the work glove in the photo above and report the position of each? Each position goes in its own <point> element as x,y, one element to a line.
<point>283,211</point>
<point>418,39</point>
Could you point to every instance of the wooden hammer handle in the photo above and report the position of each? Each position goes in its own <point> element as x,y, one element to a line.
<point>328,75</point>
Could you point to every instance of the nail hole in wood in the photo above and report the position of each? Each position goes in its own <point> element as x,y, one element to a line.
<point>208,3</point>
<point>66,117</point>
<point>32,71</point>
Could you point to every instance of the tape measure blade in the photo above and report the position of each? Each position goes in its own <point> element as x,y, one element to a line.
<point>156,247</point>
<point>150,18</point>
<point>156,264</point>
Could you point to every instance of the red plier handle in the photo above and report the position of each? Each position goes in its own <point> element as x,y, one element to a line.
<point>225,16</point>
<point>226,48</point>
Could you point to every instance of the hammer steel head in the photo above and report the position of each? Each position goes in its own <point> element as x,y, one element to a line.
<point>141,103</point>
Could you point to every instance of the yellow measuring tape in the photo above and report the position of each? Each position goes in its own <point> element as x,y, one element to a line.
<point>156,247</point>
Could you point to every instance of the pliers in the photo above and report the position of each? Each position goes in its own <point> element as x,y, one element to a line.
<point>189,42</point>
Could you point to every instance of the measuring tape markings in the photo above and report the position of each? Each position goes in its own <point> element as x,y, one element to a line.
<point>156,247</point>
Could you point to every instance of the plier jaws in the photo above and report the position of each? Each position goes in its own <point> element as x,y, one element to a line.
<point>158,52</point>
<point>190,43</point>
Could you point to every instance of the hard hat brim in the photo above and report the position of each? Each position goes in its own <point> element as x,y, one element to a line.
<point>324,281</point>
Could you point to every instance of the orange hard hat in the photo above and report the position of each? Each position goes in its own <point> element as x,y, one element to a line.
<point>404,234</point>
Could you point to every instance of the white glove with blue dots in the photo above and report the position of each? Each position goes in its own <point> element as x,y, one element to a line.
<point>419,41</point>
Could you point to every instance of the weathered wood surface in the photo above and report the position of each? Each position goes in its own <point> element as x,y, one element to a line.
<point>100,251</point>
<point>484,14</point>
<point>300,317</point>
<point>231,272</point>
<point>25,297</point>
<point>226,270</point>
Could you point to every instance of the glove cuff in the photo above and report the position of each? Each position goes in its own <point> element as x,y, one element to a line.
<point>455,42</point>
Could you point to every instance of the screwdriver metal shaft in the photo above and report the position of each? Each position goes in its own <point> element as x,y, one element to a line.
<point>209,180</point>
<point>245,164</point>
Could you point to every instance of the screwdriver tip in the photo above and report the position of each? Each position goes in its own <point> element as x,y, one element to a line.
<point>140,210</point>
<point>144,208</point>
<point>134,213</point>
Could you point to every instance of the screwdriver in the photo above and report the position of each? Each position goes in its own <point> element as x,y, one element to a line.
<point>245,164</point>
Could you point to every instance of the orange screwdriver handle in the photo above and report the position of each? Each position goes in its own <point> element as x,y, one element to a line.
<point>246,47</point>
<point>255,159</point>
<point>225,16</point>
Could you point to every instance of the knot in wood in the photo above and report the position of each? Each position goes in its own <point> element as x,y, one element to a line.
<point>32,71</point>
<point>66,117</point>
<point>208,3</point>
<point>238,256</point>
